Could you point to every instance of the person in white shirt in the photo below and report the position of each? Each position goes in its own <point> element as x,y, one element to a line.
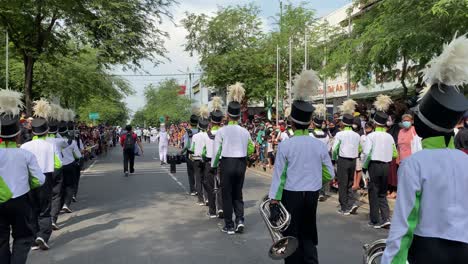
<point>316,131</point>
<point>163,144</point>
<point>198,146</point>
<point>212,183</point>
<point>154,135</point>
<point>430,219</point>
<point>19,173</point>
<point>232,146</point>
<point>379,151</point>
<point>71,155</point>
<point>345,152</point>
<point>48,161</point>
<point>302,165</point>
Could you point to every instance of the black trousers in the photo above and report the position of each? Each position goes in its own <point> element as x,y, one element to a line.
<point>57,186</point>
<point>78,176</point>
<point>198,170</point>
<point>16,216</point>
<point>232,172</point>
<point>41,200</point>
<point>345,174</point>
<point>303,209</point>
<point>190,173</point>
<point>378,184</point>
<point>129,157</point>
<point>68,186</point>
<point>209,176</point>
<point>429,250</point>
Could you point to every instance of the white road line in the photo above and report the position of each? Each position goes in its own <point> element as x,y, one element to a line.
<point>90,166</point>
<point>176,180</point>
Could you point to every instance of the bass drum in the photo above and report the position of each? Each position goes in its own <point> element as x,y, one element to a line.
<point>373,252</point>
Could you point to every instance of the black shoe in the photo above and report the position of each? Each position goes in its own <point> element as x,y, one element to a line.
<point>322,198</point>
<point>344,212</point>
<point>41,243</point>
<point>211,216</point>
<point>228,230</point>
<point>383,224</point>
<point>126,174</point>
<point>240,227</point>
<point>55,227</point>
<point>372,224</point>
<point>193,194</point>
<point>354,209</point>
<point>220,214</point>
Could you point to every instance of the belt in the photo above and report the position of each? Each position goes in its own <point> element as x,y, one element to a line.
<point>347,158</point>
<point>379,162</point>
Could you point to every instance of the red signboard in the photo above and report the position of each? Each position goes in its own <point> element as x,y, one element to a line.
<point>182,90</point>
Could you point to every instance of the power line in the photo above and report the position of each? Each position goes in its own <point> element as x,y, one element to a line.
<point>157,75</point>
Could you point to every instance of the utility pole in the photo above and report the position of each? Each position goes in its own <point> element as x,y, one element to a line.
<point>348,77</point>
<point>277,83</point>
<point>306,52</point>
<point>325,78</point>
<point>290,72</point>
<point>6,60</point>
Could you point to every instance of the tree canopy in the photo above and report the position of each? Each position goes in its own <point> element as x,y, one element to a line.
<point>163,100</point>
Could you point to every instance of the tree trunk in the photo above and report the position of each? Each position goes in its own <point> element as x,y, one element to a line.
<point>28,82</point>
<point>404,72</point>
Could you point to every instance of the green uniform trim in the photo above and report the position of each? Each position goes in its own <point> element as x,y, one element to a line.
<point>250,148</point>
<point>193,147</point>
<point>5,192</point>
<point>395,152</point>
<point>368,160</point>
<point>336,151</point>
<point>218,155</point>
<point>407,239</point>
<point>50,136</point>
<point>348,128</point>
<point>4,144</point>
<point>33,181</point>
<point>203,154</point>
<point>231,123</point>
<point>437,143</point>
<point>301,133</point>
<point>326,175</point>
<point>57,162</point>
<point>279,192</point>
<point>380,129</point>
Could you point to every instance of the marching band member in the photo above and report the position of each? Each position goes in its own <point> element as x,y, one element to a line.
<point>345,152</point>
<point>431,213</point>
<point>302,164</point>
<point>19,173</point>
<point>71,155</point>
<point>198,145</point>
<point>189,132</point>
<point>59,143</point>
<point>317,132</point>
<point>232,145</point>
<point>378,152</point>
<point>212,179</point>
<point>48,161</point>
<point>163,144</point>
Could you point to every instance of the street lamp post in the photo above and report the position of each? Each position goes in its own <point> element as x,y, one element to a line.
<point>277,82</point>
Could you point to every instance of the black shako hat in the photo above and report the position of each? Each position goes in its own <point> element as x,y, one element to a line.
<point>39,126</point>
<point>440,109</point>
<point>382,104</point>
<point>301,112</point>
<point>347,120</point>
<point>9,126</point>
<point>318,120</point>
<point>216,114</point>
<point>236,93</point>
<point>380,118</point>
<point>193,120</point>
<point>70,125</point>
<point>62,127</point>
<point>53,126</point>
<point>203,123</point>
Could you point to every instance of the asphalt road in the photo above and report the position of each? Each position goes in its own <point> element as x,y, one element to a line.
<point>149,218</point>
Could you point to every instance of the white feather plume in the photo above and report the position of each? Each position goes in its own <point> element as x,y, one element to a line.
<point>348,107</point>
<point>451,66</point>
<point>10,102</point>
<point>217,104</point>
<point>71,115</point>
<point>204,112</point>
<point>236,92</point>
<point>287,112</point>
<point>55,111</point>
<point>320,110</point>
<point>62,115</point>
<point>195,111</point>
<point>41,108</point>
<point>423,92</point>
<point>383,102</point>
<point>305,85</point>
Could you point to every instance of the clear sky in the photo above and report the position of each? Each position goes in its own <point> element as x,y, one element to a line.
<point>181,61</point>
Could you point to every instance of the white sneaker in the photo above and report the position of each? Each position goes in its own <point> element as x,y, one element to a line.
<point>41,243</point>
<point>66,209</point>
<point>35,248</point>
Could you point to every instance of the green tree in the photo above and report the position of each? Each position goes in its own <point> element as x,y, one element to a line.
<point>112,112</point>
<point>124,31</point>
<point>395,39</point>
<point>163,101</point>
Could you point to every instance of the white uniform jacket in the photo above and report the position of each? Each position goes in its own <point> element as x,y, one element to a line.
<point>346,144</point>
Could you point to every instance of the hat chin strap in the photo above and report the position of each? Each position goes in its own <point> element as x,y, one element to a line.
<point>231,115</point>
<point>11,136</point>
<point>299,122</point>
<point>431,125</point>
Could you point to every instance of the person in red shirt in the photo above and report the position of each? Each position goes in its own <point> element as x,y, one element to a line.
<point>128,141</point>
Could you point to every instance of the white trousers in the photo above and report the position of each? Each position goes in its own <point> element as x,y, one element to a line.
<point>163,153</point>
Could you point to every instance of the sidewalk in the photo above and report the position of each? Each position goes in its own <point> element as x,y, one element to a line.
<point>363,198</point>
